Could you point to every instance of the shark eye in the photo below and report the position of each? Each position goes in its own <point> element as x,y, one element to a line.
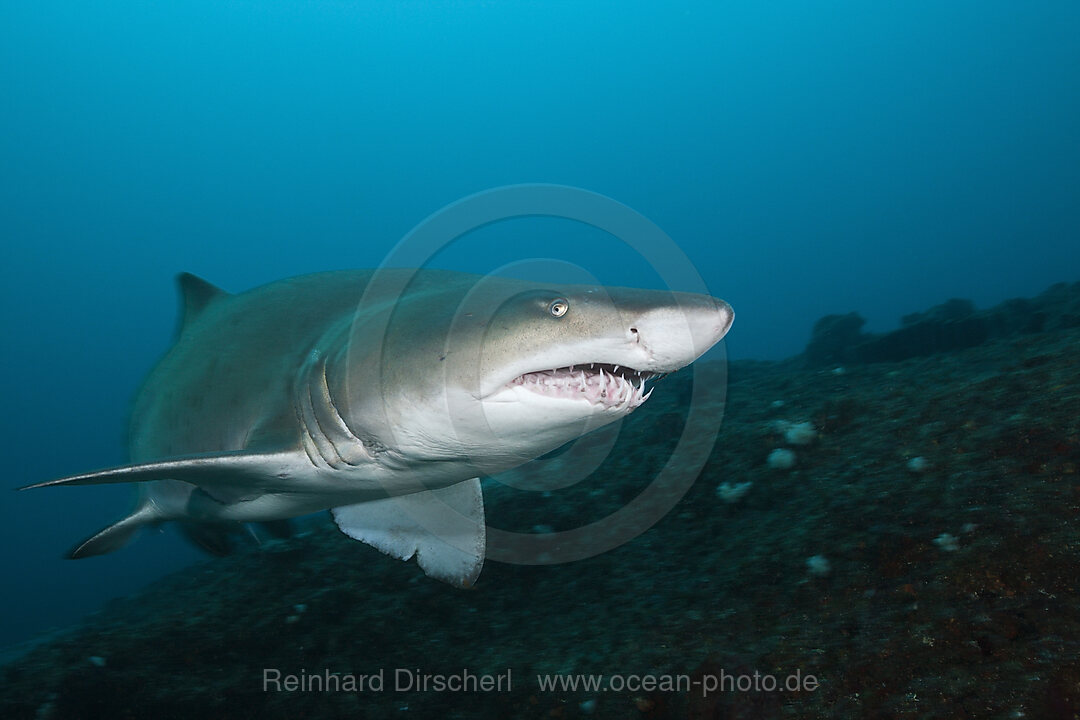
<point>558,307</point>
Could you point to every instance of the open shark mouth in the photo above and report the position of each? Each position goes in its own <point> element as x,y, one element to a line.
<point>610,386</point>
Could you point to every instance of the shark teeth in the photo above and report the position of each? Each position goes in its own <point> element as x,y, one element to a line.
<point>608,386</point>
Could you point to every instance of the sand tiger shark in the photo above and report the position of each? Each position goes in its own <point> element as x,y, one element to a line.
<point>383,396</point>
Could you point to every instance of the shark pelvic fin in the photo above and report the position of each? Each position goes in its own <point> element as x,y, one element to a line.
<point>443,528</point>
<point>211,537</point>
<point>117,535</point>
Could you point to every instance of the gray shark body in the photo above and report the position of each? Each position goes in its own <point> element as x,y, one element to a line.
<point>383,396</point>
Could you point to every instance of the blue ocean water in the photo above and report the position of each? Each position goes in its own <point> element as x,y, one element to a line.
<point>808,158</point>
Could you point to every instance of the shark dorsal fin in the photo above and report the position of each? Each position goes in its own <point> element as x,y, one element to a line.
<point>195,295</point>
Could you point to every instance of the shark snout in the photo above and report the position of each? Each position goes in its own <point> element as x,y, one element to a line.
<point>676,334</point>
<point>721,318</point>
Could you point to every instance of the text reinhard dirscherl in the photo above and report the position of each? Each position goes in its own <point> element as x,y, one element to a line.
<point>414,680</point>
<point>400,680</point>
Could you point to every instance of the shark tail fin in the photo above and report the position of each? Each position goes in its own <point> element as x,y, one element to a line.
<point>118,534</point>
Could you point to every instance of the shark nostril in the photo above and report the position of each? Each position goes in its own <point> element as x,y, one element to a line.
<point>634,332</point>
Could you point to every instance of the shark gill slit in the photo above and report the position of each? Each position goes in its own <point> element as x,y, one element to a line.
<point>327,439</point>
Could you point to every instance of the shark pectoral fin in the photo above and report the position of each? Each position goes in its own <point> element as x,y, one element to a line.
<point>116,535</point>
<point>443,528</point>
<point>232,470</point>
